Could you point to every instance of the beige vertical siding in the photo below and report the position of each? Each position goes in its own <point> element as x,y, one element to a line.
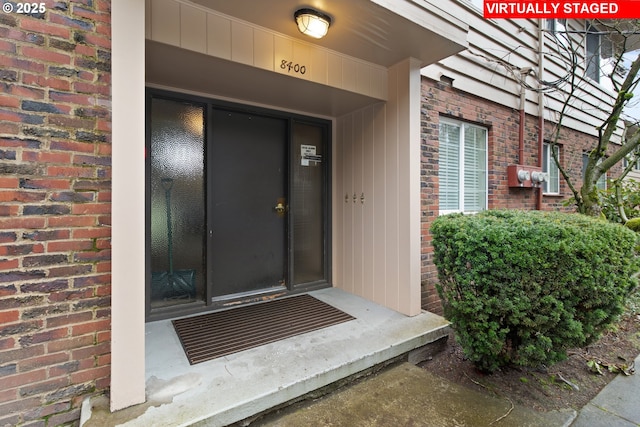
<point>378,238</point>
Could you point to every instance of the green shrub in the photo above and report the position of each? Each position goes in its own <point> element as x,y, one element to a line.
<point>633,224</point>
<point>522,287</point>
<point>629,198</point>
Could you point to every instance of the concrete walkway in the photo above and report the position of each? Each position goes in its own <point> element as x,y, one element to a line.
<point>406,395</point>
<point>617,405</point>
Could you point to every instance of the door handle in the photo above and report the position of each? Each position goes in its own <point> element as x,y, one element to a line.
<point>281,207</point>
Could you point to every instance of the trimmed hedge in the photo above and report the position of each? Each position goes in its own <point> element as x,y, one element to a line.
<point>521,287</point>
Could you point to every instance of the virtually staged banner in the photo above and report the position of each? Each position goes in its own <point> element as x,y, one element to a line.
<point>620,9</point>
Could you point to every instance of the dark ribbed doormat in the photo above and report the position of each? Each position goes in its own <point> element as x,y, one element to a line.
<point>213,335</point>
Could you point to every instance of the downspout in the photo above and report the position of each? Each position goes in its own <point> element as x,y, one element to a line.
<point>523,100</point>
<point>540,107</point>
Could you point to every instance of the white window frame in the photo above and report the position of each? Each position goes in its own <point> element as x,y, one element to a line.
<point>550,169</point>
<point>461,166</point>
<point>592,60</point>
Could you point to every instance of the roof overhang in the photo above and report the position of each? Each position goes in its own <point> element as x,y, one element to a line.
<point>382,32</point>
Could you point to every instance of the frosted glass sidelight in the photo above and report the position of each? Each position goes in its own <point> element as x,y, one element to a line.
<point>177,202</point>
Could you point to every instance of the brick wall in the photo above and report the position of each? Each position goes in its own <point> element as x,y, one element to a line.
<point>441,100</point>
<point>54,210</point>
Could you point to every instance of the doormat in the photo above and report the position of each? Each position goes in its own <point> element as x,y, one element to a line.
<point>213,335</point>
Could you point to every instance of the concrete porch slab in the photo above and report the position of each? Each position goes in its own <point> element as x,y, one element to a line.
<point>232,388</point>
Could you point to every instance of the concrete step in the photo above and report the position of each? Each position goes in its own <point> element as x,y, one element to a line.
<point>239,386</point>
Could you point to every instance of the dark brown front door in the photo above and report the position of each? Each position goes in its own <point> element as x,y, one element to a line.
<point>247,163</point>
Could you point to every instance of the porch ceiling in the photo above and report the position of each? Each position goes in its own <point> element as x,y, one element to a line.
<point>173,67</point>
<point>383,32</point>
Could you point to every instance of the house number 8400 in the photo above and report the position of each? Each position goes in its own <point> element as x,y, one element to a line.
<point>290,66</point>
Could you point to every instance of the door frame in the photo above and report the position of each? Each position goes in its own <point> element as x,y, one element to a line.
<point>233,300</point>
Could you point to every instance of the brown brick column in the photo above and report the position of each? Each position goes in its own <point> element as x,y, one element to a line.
<point>55,212</point>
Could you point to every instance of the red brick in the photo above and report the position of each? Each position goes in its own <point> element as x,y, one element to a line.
<point>92,256</point>
<point>8,395</point>
<point>8,316</point>
<point>8,264</point>
<point>51,82</point>
<point>70,270</point>
<point>46,336</point>
<point>91,208</point>
<point>29,223</point>
<point>9,210</point>
<point>92,351</point>
<point>9,128</point>
<point>26,92</point>
<point>22,196</point>
<point>47,183</point>
<point>71,171</point>
<point>22,64</point>
<point>70,221</point>
<point>7,46</point>
<point>103,244</point>
<point>71,295</point>
<point>94,16</point>
<point>45,28</point>
<point>104,336</point>
<point>69,343</point>
<point>84,87</point>
<point>75,123</point>
<point>103,360</point>
<point>9,182</point>
<point>103,290</point>
<point>68,320</point>
<point>91,233</point>
<point>103,267</point>
<point>90,374</point>
<point>9,101</point>
<point>42,361</point>
<point>41,387</point>
<point>90,327</point>
<point>17,406</point>
<point>70,245</point>
<point>72,98</point>
<point>104,196</point>
<point>18,380</point>
<point>46,157</point>
<point>85,50</point>
<point>45,411</point>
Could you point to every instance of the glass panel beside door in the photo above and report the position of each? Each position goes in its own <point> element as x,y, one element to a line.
<point>176,180</point>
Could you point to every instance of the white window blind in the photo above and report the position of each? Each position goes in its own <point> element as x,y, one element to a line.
<point>463,167</point>
<point>552,185</point>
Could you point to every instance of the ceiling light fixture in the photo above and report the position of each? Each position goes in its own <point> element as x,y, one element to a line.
<point>312,22</point>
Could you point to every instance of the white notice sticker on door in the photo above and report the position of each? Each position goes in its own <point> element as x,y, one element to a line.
<point>308,155</point>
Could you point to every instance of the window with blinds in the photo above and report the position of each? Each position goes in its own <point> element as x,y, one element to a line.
<point>462,167</point>
<point>552,185</point>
